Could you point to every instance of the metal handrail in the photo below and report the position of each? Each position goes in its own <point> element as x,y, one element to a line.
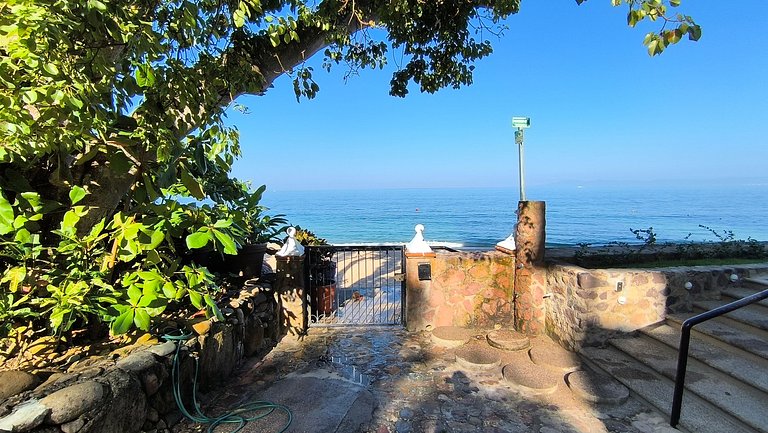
<point>685,338</point>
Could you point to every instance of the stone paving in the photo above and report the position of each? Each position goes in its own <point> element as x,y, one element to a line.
<point>418,386</point>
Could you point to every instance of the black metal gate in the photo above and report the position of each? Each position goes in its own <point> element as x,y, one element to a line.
<point>355,285</point>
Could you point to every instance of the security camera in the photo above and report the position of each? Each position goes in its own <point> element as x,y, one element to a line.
<point>521,122</point>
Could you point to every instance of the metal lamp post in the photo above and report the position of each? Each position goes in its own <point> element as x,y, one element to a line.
<point>521,123</point>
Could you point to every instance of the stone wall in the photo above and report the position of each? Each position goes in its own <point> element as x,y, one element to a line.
<point>584,307</point>
<point>130,389</point>
<point>467,289</point>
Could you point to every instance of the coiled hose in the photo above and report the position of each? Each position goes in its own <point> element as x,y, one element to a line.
<point>235,416</point>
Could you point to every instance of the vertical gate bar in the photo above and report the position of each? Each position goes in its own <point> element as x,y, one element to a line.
<point>377,299</point>
<point>340,282</point>
<point>308,282</point>
<point>340,265</point>
<point>389,307</point>
<point>403,298</point>
<point>390,274</point>
<point>382,286</point>
<point>374,301</point>
<point>365,282</point>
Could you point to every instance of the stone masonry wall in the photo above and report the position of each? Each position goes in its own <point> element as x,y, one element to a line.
<point>469,289</point>
<point>583,306</point>
<point>130,389</point>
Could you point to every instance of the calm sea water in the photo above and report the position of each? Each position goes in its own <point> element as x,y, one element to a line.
<point>479,218</point>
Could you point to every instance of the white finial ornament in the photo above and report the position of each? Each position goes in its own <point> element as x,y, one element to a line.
<point>418,244</point>
<point>291,247</point>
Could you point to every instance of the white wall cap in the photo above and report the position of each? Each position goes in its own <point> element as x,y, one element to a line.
<point>291,247</point>
<point>418,244</point>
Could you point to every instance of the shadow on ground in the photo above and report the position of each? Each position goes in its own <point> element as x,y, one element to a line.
<point>386,380</point>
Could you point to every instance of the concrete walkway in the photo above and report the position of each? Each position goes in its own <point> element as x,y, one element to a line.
<point>385,380</point>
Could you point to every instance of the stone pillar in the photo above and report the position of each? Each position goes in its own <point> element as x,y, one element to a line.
<point>417,291</point>
<point>292,296</point>
<point>529,258</point>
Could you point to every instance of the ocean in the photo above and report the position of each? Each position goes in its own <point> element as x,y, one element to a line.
<point>478,218</point>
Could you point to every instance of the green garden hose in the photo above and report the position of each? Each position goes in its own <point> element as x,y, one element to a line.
<point>236,416</point>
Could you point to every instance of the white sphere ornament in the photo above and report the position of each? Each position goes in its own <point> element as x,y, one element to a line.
<point>688,285</point>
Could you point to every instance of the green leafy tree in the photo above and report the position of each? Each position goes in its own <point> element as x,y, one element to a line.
<point>109,110</point>
<point>126,98</point>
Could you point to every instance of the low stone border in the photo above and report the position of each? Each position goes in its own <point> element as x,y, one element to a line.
<point>586,307</point>
<point>130,390</point>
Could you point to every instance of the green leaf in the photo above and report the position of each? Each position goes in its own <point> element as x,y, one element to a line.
<point>198,240</point>
<point>76,194</point>
<point>222,224</point>
<point>146,301</point>
<point>156,238</point>
<point>6,216</point>
<point>96,4</point>
<point>694,33</point>
<point>169,290</point>
<point>70,220</point>
<point>213,307</point>
<point>123,322</point>
<point>196,299</point>
<point>229,244</point>
<point>29,97</point>
<point>141,319</point>
<point>153,257</point>
<point>145,76</point>
<point>239,18</point>
<point>151,192</point>
<point>23,236</point>
<point>14,277</point>
<point>57,318</point>
<point>134,294</point>
<point>97,229</point>
<point>51,69</point>
<point>192,185</point>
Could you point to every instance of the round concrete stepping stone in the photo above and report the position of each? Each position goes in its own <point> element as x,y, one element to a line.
<point>528,377</point>
<point>477,357</point>
<point>509,340</point>
<point>554,356</point>
<point>596,388</point>
<point>451,336</point>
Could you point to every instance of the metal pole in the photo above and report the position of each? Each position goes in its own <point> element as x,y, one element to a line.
<point>519,140</point>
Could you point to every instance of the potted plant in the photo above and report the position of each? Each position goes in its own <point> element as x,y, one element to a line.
<point>321,272</point>
<point>258,229</point>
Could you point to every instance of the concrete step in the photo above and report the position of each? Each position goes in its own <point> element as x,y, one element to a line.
<point>758,282</point>
<point>739,364</point>
<point>731,294</point>
<point>733,397</point>
<point>725,334</point>
<point>751,316</point>
<point>697,414</point>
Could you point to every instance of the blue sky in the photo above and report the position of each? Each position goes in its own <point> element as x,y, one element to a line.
<point>602,110</point>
